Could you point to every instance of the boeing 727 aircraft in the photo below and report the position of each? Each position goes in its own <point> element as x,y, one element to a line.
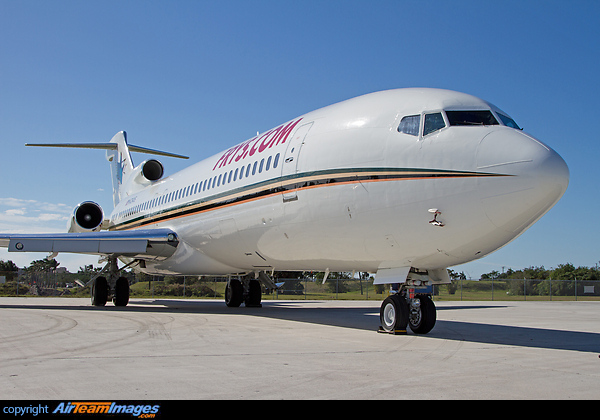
<point>402,183</point>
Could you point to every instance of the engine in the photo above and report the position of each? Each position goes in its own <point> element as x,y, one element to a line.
<point>87,217</point>
<point>148,171</point>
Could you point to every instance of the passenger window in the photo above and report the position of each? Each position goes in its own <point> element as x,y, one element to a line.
<point>433,122</point>
<point>410,125</point>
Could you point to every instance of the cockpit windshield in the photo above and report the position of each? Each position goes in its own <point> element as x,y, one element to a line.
<point>507,121</point>
<point>410,125</point>
<point>471,118</point>
<point>433,122</point>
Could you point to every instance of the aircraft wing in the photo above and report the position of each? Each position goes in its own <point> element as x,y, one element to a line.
<point>150,244</point>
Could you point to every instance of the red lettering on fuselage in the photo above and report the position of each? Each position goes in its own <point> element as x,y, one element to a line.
<point>257,144</point>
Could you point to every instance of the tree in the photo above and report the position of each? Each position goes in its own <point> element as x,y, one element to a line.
<point>8,269</point>
<point>43,266</point>
<point>8,266</point>
<point>492,275</point>
<point>454,276</point>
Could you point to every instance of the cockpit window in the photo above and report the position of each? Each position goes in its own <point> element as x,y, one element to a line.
<point>471,118</point>
<point>507,121</point>
<point>433,122</point>
<point>410,125</point>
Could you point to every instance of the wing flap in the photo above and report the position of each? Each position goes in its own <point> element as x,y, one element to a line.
<point>143,244</point>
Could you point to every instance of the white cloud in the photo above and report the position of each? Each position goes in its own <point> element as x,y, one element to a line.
<point>46,217</point>
<point>31,216</point>
<point>15,202</point>
<point>15,212</point>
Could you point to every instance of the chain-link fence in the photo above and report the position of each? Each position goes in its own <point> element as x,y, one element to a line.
<point>520,289</point>
<point>505,289</point>
<point>69,284</point>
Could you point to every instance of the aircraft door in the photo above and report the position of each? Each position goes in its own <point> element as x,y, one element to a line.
<point>289,168</point>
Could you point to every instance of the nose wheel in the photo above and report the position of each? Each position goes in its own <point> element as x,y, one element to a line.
<point>394,315</point>
<point>400,310</point>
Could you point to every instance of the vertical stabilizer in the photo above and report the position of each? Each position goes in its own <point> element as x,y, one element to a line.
<point>117,153</point>
<point>121,164</point>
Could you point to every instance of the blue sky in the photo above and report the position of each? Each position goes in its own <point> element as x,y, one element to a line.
<point>196,77</point>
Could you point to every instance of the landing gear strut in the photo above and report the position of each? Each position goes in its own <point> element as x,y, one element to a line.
<point>401,310</point>
<point>114,286</point>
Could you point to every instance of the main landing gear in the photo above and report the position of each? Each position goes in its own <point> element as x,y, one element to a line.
<point>114,286</point>
<point>247,289</point>
<point>401,310</point>
<point>243,290</point>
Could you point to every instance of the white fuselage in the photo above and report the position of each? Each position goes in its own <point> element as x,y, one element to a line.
<point>342,189</point>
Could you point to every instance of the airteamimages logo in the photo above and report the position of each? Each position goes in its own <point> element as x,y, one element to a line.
<point>141,411</point>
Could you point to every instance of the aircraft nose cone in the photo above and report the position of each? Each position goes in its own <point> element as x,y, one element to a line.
<point>529,178</point>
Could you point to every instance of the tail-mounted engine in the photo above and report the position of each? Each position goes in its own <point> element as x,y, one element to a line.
<point>87,217</point>
<point>148,171</point>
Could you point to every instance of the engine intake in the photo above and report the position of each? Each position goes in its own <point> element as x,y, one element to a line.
<point>152,170</point>
<point>87,217</point>
<point>148,171</point>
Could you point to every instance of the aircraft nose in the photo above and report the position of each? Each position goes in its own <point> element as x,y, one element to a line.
<point>528,178</point>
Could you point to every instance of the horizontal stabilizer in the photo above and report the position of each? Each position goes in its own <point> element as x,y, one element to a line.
<point>108,146</point>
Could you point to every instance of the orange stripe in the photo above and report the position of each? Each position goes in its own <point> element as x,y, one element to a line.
<point>177,215</point>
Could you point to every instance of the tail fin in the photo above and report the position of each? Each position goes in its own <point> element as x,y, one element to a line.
<point>121,164</point>
<point>118,154</point>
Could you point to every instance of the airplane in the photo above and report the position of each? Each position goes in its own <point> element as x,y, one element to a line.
<point>401,183</point>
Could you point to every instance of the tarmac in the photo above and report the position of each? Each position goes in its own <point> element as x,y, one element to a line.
<point>66,349</point>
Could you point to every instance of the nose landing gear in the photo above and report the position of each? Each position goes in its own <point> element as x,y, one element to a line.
<point>401,310</point>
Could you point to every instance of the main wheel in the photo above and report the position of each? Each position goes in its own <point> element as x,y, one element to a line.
<point>394,314</point>
<point>99,291</point>
<point>121,297</point>
<point>254,294</point>
<point>234,293</point>
<point>422,315</point>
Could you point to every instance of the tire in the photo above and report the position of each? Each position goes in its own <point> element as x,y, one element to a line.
<point>121,297</point>
<point>394,315</point>
<point>422,319</point>
<point>99,291</point>
<point>254,294</point>
<point>234,293</point>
